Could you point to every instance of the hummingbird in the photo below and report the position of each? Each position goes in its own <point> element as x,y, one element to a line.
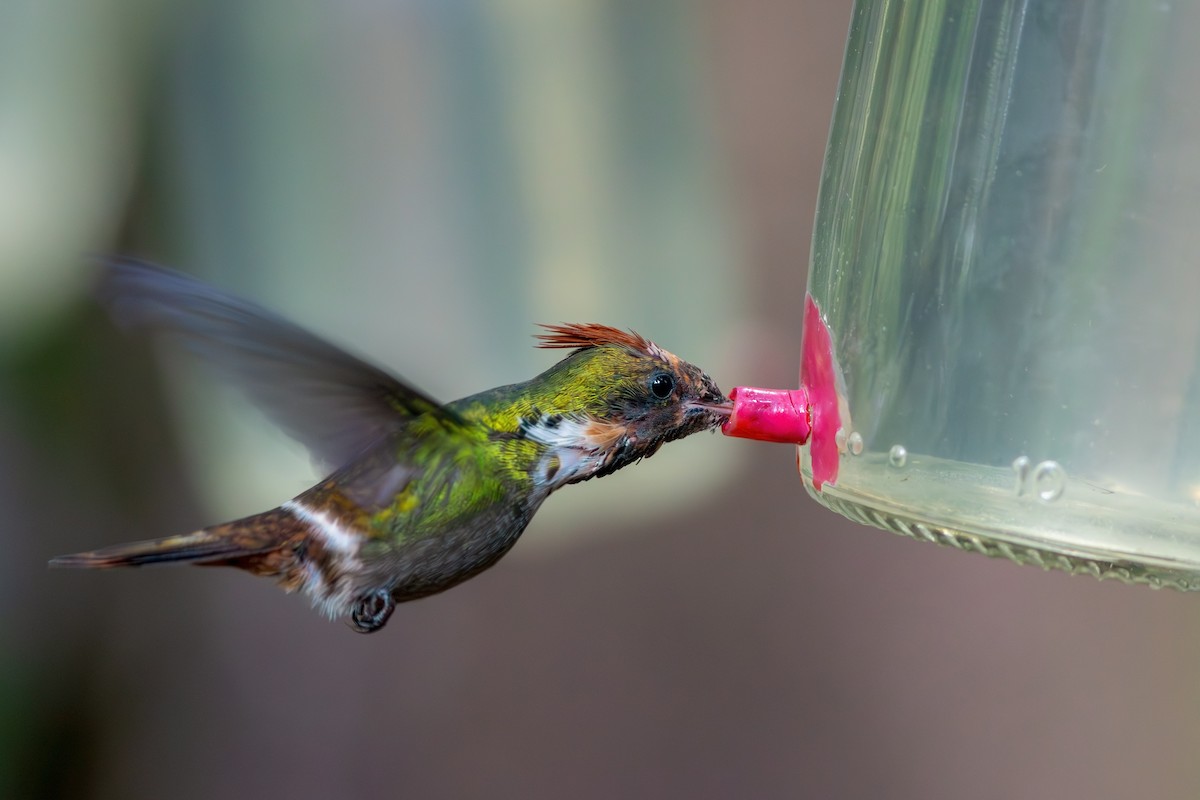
<point>418,495</point>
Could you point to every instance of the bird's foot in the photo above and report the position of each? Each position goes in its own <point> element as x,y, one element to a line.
<point>371,612</point>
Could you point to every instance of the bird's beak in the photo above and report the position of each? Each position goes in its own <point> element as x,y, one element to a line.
<point>715,412</point>
<point>723,409</point>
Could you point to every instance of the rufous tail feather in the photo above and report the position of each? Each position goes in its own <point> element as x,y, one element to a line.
<point>254,543</point>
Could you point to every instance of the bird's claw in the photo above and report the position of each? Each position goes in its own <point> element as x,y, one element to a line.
<point>371,612</point>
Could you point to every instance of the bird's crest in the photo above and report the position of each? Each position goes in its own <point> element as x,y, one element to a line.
<point>592,334</point>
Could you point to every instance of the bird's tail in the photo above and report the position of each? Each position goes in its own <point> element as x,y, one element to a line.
<point>265,544</point>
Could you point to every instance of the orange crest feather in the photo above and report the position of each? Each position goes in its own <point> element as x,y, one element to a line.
<point>591,334</point>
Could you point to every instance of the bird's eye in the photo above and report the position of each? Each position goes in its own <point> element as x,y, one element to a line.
<point>661,385</point>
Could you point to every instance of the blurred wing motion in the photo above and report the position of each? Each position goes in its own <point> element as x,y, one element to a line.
<point>332,402</point>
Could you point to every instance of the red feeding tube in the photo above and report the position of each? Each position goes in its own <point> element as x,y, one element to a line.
<point>769,415</point>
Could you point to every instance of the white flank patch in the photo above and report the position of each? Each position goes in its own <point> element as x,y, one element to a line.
<point>328,531</point>
<point>332,591</point>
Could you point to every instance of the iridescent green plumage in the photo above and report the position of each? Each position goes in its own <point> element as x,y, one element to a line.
<point>421,496</point>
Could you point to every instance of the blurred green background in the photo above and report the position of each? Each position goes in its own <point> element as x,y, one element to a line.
<point>421,181</point>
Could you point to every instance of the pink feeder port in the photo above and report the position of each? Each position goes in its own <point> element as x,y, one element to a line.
<point>817,375</point>
<point>794,416</point>
<point>768,415</point>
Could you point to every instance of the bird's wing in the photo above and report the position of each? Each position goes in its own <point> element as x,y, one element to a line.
<point>335,404</point>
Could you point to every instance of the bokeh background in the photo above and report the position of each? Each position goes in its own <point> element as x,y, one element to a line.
<point>421,180</point>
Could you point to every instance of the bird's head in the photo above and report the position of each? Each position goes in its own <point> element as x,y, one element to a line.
<point>616,399</point>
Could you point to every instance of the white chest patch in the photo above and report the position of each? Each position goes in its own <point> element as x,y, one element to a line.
<point>559,431</point>
<point>574,447</point>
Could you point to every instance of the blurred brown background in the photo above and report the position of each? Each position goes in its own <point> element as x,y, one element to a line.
<point>425,180</point>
